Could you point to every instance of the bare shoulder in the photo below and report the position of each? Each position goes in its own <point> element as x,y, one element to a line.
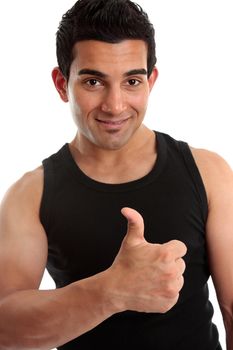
<point>209,161</point>
<point>20,207</point>
<point>23,198</point>
<point>28,187</point>
<point>214,169</point>
<point>31,180</point>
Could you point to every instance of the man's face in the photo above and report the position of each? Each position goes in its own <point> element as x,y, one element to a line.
<point>108,91</point>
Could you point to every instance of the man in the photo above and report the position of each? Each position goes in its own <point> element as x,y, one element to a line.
<point>129,222</point>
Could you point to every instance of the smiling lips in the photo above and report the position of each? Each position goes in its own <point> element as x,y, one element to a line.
<point>112,123</point>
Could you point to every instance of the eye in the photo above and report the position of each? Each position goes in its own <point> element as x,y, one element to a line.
<point>93,82</point>
<point>133,82</point>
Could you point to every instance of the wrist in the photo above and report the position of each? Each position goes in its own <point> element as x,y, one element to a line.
<point>99,292</point>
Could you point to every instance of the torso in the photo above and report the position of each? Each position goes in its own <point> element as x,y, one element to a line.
<point>171,204</point>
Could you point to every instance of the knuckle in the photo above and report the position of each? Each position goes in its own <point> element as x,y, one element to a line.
<point>183,266</point>
<point>171,291</point>
<point>181,282</point>
<point>166,254</point>
<point>168,305</point>
<point>178,246</point>
<point>176,242</point>
<point>170,273</point>
<point>172,288</point>
<point>163,309</point>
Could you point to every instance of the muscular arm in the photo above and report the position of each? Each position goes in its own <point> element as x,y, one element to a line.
<point>143,277</point>
<point>32,318</point>
<point>218,179</point>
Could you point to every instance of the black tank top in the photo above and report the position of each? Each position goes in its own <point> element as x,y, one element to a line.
<point>85,229</point>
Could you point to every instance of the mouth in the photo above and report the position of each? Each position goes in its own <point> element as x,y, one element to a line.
<point>112,123</point>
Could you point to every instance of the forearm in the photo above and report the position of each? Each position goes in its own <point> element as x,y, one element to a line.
<point>228,322</point>
<point>36,319</point>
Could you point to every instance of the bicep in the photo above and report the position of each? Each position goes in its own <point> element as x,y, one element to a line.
<point>219,232</point>
<point>23,242</point>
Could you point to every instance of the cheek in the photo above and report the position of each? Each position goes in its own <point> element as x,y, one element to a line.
<point>79,106</point>
<point>139,102</point>
<point>86,102</point>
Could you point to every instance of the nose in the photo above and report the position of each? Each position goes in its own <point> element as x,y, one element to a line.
<point>113,101</point>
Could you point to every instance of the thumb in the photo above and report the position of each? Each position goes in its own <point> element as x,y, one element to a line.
<point>135,232</point>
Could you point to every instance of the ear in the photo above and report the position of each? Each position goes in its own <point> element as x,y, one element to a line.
<point>60,83</point>
<point>153,77</point>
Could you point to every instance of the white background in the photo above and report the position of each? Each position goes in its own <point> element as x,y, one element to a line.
<point>192,99</point>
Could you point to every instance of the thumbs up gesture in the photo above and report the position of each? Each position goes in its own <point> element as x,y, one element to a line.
<point>146,277</point>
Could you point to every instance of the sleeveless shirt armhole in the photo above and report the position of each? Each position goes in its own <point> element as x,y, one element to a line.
<point>46,201</point>
<point>195,175</point>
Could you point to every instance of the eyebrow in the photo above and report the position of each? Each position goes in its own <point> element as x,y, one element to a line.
<point>99,74</point>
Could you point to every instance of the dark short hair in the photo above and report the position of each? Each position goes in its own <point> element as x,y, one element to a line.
<point>111,21</point>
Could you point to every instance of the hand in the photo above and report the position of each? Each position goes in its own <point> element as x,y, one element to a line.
<point>147,277</point>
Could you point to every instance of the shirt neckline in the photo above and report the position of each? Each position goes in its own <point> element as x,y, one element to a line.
<point>81,177</point>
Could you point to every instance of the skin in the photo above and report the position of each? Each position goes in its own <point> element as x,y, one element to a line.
<point>143,277</point>
<point>109,107</point>
<point>218,180</point>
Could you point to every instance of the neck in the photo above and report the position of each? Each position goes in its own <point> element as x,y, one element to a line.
<point>116,166</point>
<point>81,147</point>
